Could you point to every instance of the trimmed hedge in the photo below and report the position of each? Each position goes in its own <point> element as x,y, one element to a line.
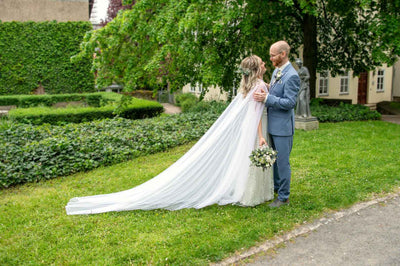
<point>91,99</point>
<point>342,112</point>
<point>137,109</point>
<point>38,53</point>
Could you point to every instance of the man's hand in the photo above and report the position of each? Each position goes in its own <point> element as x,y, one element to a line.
<point>260,95</point>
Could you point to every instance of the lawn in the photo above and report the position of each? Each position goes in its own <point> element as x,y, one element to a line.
<point>332,167</point>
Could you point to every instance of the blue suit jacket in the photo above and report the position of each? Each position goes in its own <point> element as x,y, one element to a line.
<point>281,102</point>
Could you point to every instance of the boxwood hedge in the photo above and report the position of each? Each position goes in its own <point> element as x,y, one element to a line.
<point>137,109</point>
<point>343,112</point>
<point>91,99</point>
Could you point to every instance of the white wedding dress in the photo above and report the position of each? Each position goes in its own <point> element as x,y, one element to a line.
<point>216,170</point>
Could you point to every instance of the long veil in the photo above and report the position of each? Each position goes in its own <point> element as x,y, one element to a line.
<point>213,171</point>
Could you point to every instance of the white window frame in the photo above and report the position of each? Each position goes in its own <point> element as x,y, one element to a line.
<point>198,88</point>
<point>192,88</point>
<point>323,84</point>
<point>380,81</point>
<point>344,83</point>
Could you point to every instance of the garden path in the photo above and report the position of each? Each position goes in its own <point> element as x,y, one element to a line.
<point>171,109</point>
<point>391,118</point>
<point>365,234</point>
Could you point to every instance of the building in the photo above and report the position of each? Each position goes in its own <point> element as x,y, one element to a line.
<point>396,82</point>
<point>368,89</point>
<point>44,10</point>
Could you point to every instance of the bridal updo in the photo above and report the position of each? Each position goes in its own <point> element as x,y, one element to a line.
<point>251,71</point>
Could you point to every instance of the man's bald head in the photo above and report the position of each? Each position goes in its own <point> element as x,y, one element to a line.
<point>281,46</point>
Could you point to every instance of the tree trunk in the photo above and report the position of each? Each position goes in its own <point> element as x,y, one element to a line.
<point>310,50</point>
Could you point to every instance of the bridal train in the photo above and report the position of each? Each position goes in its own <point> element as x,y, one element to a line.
<point>216,170</point>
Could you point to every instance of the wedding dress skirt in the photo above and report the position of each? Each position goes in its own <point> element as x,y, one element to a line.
<point>260,183</point>
<point>214,171</point>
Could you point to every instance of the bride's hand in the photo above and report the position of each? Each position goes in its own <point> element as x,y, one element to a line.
<point>262,142</point>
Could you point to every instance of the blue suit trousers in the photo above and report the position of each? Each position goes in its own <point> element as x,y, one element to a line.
<point>282,172</point>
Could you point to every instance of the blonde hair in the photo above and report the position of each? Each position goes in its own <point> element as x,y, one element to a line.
<point>251,71</point>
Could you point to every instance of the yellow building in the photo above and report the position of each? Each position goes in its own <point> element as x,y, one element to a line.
<point>369,88</point>
<point>396,82</point>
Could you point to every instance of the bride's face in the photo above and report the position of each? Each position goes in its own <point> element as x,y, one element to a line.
<point>262,67</point>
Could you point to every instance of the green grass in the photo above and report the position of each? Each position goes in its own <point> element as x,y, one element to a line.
<point>333,167</point>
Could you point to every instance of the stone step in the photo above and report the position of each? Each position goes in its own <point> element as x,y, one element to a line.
<point>371,106</point>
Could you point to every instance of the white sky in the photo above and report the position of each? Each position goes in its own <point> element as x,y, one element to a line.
<point>100,7</point>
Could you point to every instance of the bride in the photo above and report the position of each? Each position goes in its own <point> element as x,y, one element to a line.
<point>216,170</point>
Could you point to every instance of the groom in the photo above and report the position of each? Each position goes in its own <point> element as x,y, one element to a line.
<point>280,102</point>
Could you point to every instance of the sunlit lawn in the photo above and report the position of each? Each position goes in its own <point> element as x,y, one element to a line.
<point>332,167</point>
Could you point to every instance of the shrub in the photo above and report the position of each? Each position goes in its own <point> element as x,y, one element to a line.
<point>31,153</point>
<point>216,107</point>
<point>91,99</point>
<point>343,112</point>
<point>186,101</point>
<point>138,109</point>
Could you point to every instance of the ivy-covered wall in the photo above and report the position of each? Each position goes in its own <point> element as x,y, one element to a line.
<point>34,54</point>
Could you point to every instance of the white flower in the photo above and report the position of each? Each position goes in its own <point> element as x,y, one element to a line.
<point>263,157</point>
<point>278,75</point>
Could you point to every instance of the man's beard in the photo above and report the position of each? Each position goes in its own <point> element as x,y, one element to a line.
<point>278,61</point>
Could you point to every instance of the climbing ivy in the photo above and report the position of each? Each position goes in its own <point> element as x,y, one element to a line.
<point>34,54</point>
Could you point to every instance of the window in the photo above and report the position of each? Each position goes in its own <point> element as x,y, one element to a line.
<point>199,87</point>
<point>196,88</point>
<point>323,83</point>
<point>344,83</point>
<point>380,80</point>
<point>192,88</point>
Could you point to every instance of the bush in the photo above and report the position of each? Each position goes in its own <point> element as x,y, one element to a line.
<point>35,54</point>
<point>138,109</point>
<point>216,107</point>
<point>342,112</point>
<point>31,153</point>
<point>91,99</point>
<point>186,101</point>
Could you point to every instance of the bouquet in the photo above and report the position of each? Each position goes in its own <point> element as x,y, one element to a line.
<point>263,156</point>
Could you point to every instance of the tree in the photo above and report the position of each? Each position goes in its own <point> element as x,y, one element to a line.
<point>175,42</point>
